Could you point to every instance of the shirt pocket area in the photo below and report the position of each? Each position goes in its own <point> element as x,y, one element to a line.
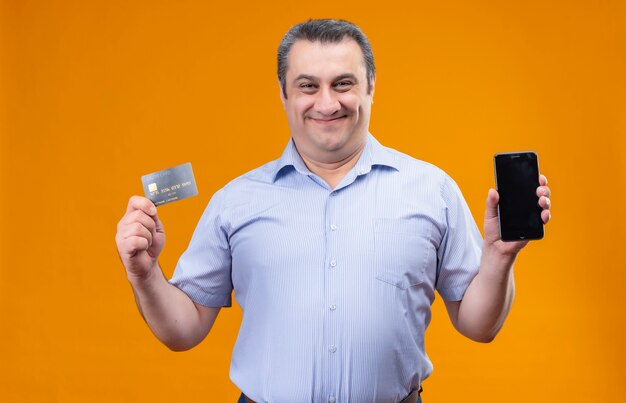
<point>401,249</point>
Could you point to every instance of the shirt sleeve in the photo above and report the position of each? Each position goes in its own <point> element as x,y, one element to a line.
<point>203,271</point>
<point>461,247</point>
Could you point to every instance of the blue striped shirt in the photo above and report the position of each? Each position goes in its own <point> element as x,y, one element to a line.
<point>335,285</point>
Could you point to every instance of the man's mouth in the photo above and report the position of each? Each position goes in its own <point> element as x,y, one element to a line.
<point>328,121</point>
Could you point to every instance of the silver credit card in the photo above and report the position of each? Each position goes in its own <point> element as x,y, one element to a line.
<point>170,184</point>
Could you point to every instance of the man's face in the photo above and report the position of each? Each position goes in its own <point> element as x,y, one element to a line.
<point>327,105</point>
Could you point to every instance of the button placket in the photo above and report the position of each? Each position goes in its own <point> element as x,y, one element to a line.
<point>331,276</point>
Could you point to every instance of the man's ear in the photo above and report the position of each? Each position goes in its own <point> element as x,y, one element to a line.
<point>282,94</point>
<point>372,87</point>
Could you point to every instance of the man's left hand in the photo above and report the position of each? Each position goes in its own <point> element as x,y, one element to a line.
<point>492,226</point>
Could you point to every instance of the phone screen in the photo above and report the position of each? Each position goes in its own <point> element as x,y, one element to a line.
<point>517,179</point>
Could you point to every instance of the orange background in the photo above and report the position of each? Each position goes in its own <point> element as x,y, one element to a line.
<point>94,94</point>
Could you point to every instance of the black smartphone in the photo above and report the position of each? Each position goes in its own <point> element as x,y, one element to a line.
<point>517,179</point>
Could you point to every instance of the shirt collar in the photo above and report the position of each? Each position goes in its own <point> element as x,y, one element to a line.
<point>373,154</point>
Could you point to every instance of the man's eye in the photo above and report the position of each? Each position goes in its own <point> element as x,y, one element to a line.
<point>343,85</point>
<point>307,86</point>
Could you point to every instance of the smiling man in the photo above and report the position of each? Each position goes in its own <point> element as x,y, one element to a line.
<point>327,95</point>
<point>334,251</point>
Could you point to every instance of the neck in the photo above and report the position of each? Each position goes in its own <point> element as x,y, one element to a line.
<point>333,172</point>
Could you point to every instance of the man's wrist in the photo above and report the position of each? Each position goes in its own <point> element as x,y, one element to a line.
<point>146,279</point>
<point>493,259</point>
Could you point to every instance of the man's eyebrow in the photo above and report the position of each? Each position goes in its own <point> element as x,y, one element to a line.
<point>346,75</point>
<point>338,78</point>
<point>305,77</point>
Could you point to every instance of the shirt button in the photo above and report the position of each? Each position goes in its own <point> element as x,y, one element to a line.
<point>332,349</point>
<point>333,307</point>
<point>332,399</point>
<point>333,227</point>
<point>333,263</point>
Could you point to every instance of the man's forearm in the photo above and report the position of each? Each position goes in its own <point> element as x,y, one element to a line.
<point>170,313</point>
<point>488,298</point>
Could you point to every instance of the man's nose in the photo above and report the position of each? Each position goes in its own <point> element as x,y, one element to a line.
<point>327,102</point>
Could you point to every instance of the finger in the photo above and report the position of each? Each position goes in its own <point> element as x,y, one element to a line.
<point>133,245</point>
<point>544,202</point>
<point>140,217</point>
<point>545,216</point>
<point>136,230</point>
<point>543,181</point>
<point>491,210</point>
<point>543,191</point>
<point>141,203</point>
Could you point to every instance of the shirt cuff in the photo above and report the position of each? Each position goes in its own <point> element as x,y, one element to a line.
<point>453,293</point>
<point>201,297</point>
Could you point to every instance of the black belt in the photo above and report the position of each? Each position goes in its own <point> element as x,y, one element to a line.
<point>411,398</point>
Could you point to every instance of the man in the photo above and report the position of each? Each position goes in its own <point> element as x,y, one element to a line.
<point>334,251</point>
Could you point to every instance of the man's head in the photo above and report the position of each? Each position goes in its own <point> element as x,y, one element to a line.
<point>327,79</point>
<point>325,32</point>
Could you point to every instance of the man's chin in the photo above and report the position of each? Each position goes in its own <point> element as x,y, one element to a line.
<point>336,143</point>
<point>331,141</point>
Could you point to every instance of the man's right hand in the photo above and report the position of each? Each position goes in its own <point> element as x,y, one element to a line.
<point>173,317</point>
<point>140,237</point>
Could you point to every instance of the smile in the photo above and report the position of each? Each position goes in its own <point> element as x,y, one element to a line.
<point>327,122</point>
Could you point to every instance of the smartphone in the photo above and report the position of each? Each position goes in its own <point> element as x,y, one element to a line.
<point>517,179</point>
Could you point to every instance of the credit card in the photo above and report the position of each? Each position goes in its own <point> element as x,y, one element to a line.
<point>170,185</point>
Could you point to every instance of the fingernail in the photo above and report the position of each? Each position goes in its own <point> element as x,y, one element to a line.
<point>152,209</point>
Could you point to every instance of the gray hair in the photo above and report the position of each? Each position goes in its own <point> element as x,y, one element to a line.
<point>325,31</point>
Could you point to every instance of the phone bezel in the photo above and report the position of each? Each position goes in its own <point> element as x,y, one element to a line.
<point>520,235</point>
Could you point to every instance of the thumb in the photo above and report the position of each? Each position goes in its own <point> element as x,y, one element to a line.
<point>159,224</point>
<point>491,211</point>
<point>153,213</point>
<point>158,237</point>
